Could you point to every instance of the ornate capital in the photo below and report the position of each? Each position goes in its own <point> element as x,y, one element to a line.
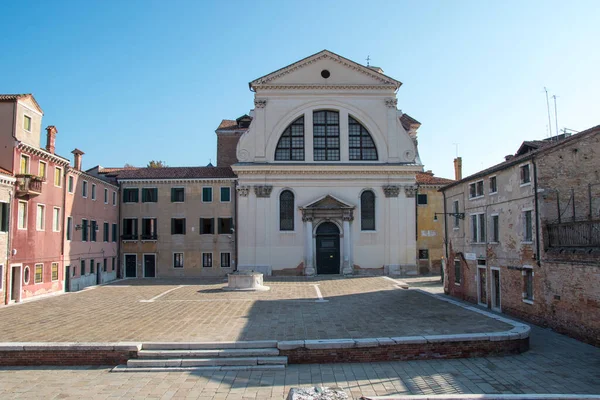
<point>243,191</point>
<point>307,217</point>
<point>260,103</point>
<point>348,215</point>
<point>391,102</point>
<point>263,190</point>
<point>391,190</point>
<point>410,191</point>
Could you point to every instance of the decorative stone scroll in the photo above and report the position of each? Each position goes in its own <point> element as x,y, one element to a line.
<point>391,102</point>
<point>391,190</point>
<point>263,190</point>
<point>307,217</point>
<point>260,103</point>
<point>410,191</point>
<point>243,191</point>
<point>348,215</point>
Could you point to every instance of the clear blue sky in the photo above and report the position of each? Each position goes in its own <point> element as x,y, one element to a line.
<point>130,81</point>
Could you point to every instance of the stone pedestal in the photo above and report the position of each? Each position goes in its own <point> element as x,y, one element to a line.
<point>248,281</point>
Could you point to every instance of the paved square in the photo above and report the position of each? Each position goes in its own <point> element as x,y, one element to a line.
<point>157,310</point>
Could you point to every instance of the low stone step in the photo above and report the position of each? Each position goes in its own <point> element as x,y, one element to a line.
<point>274,367</point>
<point>206,362</point>
<point>266,352</point>
<point>252,344</point>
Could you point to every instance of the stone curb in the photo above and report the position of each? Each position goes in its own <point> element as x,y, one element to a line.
<point>486,397</point>
<point>75,346</point>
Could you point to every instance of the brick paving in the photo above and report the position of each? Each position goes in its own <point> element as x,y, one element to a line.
<point>555,364</point>
<point>155,310</point>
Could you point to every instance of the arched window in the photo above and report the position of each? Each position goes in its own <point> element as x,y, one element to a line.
<point>362,147</point>
<point>326,136</point>
<point>291,142</point>
<point>286,211</point>
<point>367,211</point>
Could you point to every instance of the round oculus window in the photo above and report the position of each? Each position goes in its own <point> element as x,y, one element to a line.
<point>325,74</point>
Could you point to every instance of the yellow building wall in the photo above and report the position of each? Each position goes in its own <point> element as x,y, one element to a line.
<point>430,233</point>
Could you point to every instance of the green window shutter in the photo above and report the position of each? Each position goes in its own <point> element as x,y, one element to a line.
<point>184,226</point>
<point>136,195</point>
<point>172,226</point>
<point>173,195</point>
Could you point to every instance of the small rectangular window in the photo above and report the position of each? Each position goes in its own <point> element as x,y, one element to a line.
<point>4,217</point>
<point>177,226</point>
<point>177,195</point>
<point>56,219</point>
<point>130,229</point>
<point>225,225</point>
<point>130,195</point>
<point>525,176</point>
<point>54,271</point>
<point>476,189</point>
<point>207,260</point>
<point>39,273</point>
<point>422,199</point>
<point>70,184</point>
<point>24,167</point>
<point>207,194</point>
<point>69,228</point>
<point>225,260</point>
<point>82,268</point>
<point>495,229</point>
<point>478,228</point>
<point>22,217</point>
<point>114,198</point>
<point>84,189</point>
<point>457,272</point>
<point>528,284</point>
<point>92,265</point>
<point>207,226</point>
<point>93,191</point>
<point>84,230</point>
<point>42,172</point>
<point>27,123</point>
<point>105,232</point>
<point>423,254</point>
<point>528,236</point>
<point>114,232</point>
<point>105,265</point>
<point>57,177</point>
<point>105,196</point>
<point>93,230</point>
<point>149,195</point>
<point>225,194</point>
<point>149,229</point>
<point>177,260</point>
<point>40,222</point>
<point>493,185</point>
<point>456,218</point>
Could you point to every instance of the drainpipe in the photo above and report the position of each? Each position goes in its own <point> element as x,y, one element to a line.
<point>537,212</point>
<point>8,268</point>
<point>445,235</point>
<point>235,224</point>
<point>119,269</point>
<point>417,216</point>
<point>63,230</point>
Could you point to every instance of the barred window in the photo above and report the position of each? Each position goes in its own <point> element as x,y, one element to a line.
<point>367,211</point>
<point>286,211</point>
<point>291,143</point>
<point>362,146</point>
<point>326,136</point>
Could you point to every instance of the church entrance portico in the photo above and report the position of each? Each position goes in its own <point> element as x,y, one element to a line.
<point>327,249</point>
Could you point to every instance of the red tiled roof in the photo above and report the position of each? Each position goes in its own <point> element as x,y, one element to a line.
<point>177,173</point>
<point>406,121</point>
<point>229,125</point>
<point>427,178</point>
<point>15,97</point>
<point>5,172</point>
<point>108,170</point>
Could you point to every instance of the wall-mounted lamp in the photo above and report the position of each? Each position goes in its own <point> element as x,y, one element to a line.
<point>457,215</point>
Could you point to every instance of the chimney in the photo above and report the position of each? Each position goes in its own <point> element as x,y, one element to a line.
<point>508,157</point>
<point>51,138</point>
<point>458,168</point>
<point>78,153</point>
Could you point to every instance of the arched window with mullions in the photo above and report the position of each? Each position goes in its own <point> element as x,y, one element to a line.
<point>367,211</point>
<point>286,211</point>
<point>291,143</point>
<point>361,145</point>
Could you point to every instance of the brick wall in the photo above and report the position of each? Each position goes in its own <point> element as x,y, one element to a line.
<point>226,148</point>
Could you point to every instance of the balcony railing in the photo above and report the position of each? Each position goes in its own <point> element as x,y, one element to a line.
<point>149,236</point>
<point>28,185</point>
<point>129,237</point>
<point>574,234</point>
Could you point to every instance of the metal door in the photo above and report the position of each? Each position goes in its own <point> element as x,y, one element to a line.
<point>328,249</point>
<point>149,265</point>
<point>130,266</point>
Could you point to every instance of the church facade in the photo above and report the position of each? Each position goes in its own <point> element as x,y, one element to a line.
<point>326,173</point>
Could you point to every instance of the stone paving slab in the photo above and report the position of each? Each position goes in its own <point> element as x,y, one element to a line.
<point>195,311</point>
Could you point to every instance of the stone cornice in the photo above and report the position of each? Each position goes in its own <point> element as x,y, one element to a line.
<point>25,148</point>
<point>6,180</point>
<point>87,176</point>
<point>326,169</point>
<point>179,181</point>
<point>325,87</point>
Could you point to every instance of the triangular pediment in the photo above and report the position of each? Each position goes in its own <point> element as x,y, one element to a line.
<point>340,71</point>
<point>328,202</point>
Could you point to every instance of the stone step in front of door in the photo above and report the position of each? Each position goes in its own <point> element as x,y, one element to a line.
<point>266,352</point>
<point>254,344</point>
<point>207,362</point>
<point>275,367</point>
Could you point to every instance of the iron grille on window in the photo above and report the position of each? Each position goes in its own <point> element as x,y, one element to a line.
<point>367,211</point>
<point>291,143</point>
<point>326,136</point>
<point>361,143</point>
<point>286,211</point>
